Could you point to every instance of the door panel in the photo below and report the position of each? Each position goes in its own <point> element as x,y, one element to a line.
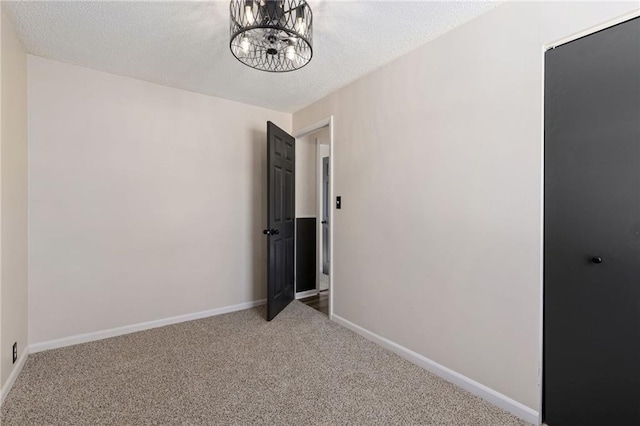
<point>277,203</point>
<point>289,194</point>
<point>281,224</point>
<point>592,230</point>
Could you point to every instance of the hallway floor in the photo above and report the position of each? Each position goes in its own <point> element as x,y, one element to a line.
<point>319,302</point>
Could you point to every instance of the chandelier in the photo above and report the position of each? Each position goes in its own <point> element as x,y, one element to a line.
<point>271,35</point>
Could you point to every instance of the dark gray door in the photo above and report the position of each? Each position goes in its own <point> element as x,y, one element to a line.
<point>281,160</point>
<point>325,215</point>
<point>592,230</point>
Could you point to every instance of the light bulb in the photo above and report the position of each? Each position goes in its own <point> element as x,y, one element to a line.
<point>244,44</point>
<point>290,52</point>
<point>248,13</point>
<point>301,25</point>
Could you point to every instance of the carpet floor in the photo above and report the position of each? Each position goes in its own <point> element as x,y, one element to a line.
<point>300,368</point>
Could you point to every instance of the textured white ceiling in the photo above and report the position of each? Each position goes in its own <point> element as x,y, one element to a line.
<point>186,44</point>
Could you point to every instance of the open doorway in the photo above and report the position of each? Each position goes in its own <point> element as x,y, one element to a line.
<point>314,216</point>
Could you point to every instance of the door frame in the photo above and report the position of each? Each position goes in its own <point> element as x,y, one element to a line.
<point>545,47</point>
<point>319,125</point>
<point>319,204</point>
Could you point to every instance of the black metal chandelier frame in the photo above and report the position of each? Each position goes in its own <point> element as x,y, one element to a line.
<point>271,35</point>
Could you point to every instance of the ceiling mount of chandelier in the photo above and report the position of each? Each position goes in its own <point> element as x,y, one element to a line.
<point>272,35</point>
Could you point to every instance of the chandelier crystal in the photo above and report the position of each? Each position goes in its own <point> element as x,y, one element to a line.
<point>272,35</point>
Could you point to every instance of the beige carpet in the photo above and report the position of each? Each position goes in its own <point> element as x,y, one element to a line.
<point>237,368</point>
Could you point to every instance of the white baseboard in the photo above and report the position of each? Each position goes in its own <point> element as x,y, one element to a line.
<point>496,398</point>
<point>307,293</point>
<point>14,375</point>
<point>105,334</point>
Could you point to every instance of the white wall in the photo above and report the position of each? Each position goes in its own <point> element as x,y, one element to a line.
<point>145,201</point>
<point>13,200</point>
<point>306,173</point>
<point>306,176</point>
<point>438,160</point>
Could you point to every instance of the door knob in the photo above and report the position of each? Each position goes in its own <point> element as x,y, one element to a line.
<point>274,232</point>
<point>596,259</point>
<point>266,232</point>
<point>324,222</point>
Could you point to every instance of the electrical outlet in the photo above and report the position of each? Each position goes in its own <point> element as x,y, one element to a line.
<point>15,352</point>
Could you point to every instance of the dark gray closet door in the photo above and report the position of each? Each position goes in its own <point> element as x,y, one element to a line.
<point>592,230</point>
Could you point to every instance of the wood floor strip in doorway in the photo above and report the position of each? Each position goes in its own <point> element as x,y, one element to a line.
<point>318,302</point>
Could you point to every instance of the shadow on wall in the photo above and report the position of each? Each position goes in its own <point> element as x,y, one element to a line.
<point>259,213</point>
